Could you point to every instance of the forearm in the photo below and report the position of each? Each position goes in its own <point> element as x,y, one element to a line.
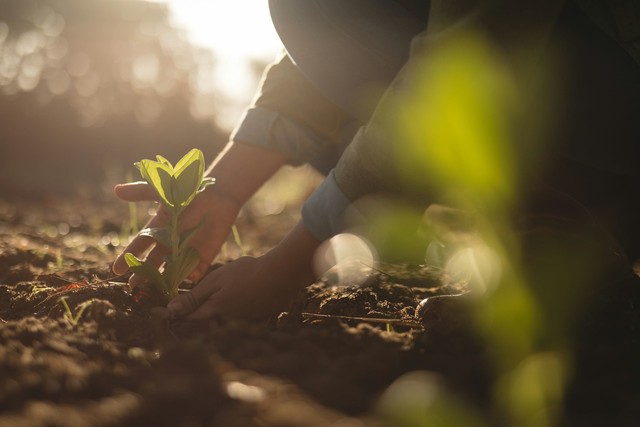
<point>290,116</point>
<point>241,169</point>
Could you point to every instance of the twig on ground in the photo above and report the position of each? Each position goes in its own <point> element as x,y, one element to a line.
<point>78,284</point>
<point>396,322</point>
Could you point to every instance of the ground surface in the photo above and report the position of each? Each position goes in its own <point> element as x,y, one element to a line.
<point>116,365</point>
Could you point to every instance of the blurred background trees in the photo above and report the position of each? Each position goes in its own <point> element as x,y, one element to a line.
<point>87,87</point>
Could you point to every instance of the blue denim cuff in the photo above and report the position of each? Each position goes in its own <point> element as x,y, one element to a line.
<point>269,129</point>
<point>324,213</point>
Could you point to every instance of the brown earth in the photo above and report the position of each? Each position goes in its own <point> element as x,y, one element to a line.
<point>315,365</point>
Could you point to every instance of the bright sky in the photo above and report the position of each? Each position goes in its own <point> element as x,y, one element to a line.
<point>233,28</point>
<point>236,30</point>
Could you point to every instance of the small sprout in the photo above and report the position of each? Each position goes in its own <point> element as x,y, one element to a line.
<point>225,251</point>
<point>237,240</point>
<point>68,313</point>
<point>59,260</point>
<point>176,187</point>
<point>39,288</point>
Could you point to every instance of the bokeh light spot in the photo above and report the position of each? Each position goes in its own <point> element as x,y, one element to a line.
<point>146,69</point>
<point>478,266</point>
<point>58,82</point>
<point>79,64</point>
<point>420,398</point>
<point>345,259</point>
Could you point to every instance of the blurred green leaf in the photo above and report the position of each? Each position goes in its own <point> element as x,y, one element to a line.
<point>420,399</point>
<point>532,393</point>
<point>455,125</point>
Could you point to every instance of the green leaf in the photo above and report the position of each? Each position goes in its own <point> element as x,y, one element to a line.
<point>161,235</point>
<point>188,174</point>
<point>145,269</point>
<point>165,162</point>
<point>179,269</point>
<point>192,156</point>
<point>188,180</point>
<point>167,184</point>
<point>187,235</point>
<point>150,171</point>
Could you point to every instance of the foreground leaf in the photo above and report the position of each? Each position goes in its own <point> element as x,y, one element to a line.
<point>187,182</point>
<point>145,269</point>
<point>167,183</point>
<point>164,161</point>
<point>193,155</point>
<point>189,172</point>
<point>153,172</point>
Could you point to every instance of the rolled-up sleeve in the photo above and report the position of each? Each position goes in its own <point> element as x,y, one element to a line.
<point>328,211</point>
<point>289,115</point>
<point>270,129</point>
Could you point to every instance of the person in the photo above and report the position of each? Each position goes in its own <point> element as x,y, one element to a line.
<point>310,109</point>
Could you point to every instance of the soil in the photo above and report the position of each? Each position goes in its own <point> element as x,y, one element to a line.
<point>106,361</point>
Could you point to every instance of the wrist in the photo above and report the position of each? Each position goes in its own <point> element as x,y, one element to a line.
<point>216,196</point>
<point>292,258</point>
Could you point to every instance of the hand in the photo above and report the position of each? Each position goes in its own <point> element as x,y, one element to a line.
<point>252,287</point>
<point>245,288</point>
<point>217,210</point>
<point>218,204</point>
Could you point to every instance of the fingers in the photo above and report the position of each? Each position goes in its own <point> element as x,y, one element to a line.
<point>188,302</point>
<point>228,303</point>
<point>156,258</point>
<point>135,192</point>
<point>208,246</point>
<point>199,272</point>
<point>137,247</point>
<point>206,311</point>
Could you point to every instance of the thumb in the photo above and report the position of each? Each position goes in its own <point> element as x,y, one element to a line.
<point>135,192</point>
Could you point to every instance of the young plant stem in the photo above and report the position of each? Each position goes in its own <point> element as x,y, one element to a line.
<point>174,234</point>
<point>176,187</point>
<point>172,289</point>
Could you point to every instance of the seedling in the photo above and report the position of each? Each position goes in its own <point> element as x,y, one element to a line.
<point>68,313</point>
<point>38,288</point>
<point>237,240</point>
<point>176,187</point>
